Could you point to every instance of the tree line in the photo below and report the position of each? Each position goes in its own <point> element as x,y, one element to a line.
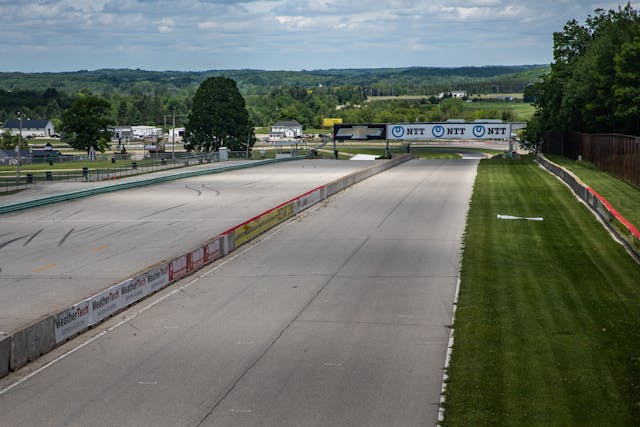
<point>150,97</point>
<point>593,85</point>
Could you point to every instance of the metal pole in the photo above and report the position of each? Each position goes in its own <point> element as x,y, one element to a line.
<point>18,149</point>
<point>173,136</point>
<point>248,139</point>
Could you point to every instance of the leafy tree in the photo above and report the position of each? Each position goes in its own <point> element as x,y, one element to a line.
<point>8,142</point>
<point>218,116</point>
<point>593,83</point>
<point>86,124</point>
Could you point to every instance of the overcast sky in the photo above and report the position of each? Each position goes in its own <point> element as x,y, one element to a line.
<point>70,35</point>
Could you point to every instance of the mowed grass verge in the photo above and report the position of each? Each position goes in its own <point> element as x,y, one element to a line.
<point>624,197</point>
<point>547,330</point>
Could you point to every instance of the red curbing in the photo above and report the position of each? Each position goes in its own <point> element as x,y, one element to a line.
<point>615,213</point>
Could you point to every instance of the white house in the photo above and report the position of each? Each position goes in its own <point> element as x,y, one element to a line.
<point>286,129</point>
<point>454,94</point>
<point>29,127</point>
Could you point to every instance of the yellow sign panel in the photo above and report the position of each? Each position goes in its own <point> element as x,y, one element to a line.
<point>328,122</point>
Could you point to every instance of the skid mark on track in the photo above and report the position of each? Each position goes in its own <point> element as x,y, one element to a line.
<point>194,189</point>
<point>65,237</point>
<point>211,189</point>
<point>33,236</point>
<point>162,211</point>
<point>8,242</point>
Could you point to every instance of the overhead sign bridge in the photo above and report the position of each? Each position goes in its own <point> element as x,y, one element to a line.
<point>478,130</point>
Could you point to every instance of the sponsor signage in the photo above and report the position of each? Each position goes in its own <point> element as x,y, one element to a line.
<point>426,131</point>
<point>72,321</point>
<point>343,132</point>
<point>178,268</point>
<point>329,121</point>
<point>157,278</point>
<point>213,251</point>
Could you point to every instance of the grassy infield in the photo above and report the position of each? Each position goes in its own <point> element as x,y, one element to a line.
<point>547,331</point>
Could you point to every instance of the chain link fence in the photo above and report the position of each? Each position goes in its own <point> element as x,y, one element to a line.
<point>123,166</point>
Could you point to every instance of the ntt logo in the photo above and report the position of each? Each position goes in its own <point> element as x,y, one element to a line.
<point>397,131</point>
<point>479,131</point>
<point>438,131</point>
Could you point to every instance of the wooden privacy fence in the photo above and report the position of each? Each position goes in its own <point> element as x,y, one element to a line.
<point>618,155</point>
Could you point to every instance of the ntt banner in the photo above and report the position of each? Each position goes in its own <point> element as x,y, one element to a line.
<point>427,131</point>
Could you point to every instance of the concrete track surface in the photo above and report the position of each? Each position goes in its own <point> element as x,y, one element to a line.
<point>337,318</point>
<point>54,256</point>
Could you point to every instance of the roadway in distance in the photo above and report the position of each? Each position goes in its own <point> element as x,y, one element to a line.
<point>340,317</point>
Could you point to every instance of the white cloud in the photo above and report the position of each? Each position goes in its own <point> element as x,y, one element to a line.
<point>252,32</point>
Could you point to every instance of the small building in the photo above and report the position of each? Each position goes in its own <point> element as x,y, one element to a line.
<point>122,133</point>
<point>29,128</point>
<point>286,129</point>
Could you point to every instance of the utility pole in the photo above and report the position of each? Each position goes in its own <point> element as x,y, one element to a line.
<point>20,116</point>
<point>173,136</point>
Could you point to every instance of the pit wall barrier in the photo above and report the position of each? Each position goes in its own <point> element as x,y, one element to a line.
<point>614,221</point>
<point>28,344</point>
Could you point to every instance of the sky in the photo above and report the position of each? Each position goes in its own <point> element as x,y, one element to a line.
<point>197,35</point>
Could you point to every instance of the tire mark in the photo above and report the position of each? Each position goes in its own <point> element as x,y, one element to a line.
<point>212,189</point>
<point>161,211</point>
<point>8,242</point>
<point>69,216</point>
<point>137,224</point>
<point>194,189</point>
<point>65,237</point>
<point>33,236</point>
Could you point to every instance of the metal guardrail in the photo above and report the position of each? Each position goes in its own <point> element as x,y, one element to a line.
<point>86,174</point>
<point>134,184</point>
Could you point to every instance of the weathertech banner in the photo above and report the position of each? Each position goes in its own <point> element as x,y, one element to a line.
<point>429,131</point>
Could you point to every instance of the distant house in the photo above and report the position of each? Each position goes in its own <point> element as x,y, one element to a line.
<point>453,94</point>
<point>29,127</point>
<point>286,129</point>
<point>122,133</point>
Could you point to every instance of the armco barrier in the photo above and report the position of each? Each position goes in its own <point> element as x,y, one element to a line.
<point>32,342</point>
<point>614,221</point>
<point>39,338</point>
<point>5,354</point>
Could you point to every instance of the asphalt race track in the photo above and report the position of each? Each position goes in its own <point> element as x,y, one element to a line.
<point>337,318</point>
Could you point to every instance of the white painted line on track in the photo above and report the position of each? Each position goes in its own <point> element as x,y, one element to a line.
<point>447,360</point>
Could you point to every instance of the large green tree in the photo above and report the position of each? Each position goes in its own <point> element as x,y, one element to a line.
<point>218,117</point>
<point>86,124</point>
<point>593,83</point>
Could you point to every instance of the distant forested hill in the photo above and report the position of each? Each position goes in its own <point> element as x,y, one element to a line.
<point>127,82</point>
<point>139,96</point>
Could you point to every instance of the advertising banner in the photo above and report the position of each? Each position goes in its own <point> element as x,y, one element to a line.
<point>107,302</point>
<point>329,121</point>
<point>178,268</point>
<point>213,251</point>
<point>196,258</point>
<point>429,131</point>
<point>134,290</point>
<point>306,200</point>
<point>257,226</point>
<point>71,321</point>
<point>157,278</point>
<point>347,132</point>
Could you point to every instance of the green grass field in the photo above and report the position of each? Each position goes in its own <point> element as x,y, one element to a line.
<point>547,331</point>
<point>622,195</point>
